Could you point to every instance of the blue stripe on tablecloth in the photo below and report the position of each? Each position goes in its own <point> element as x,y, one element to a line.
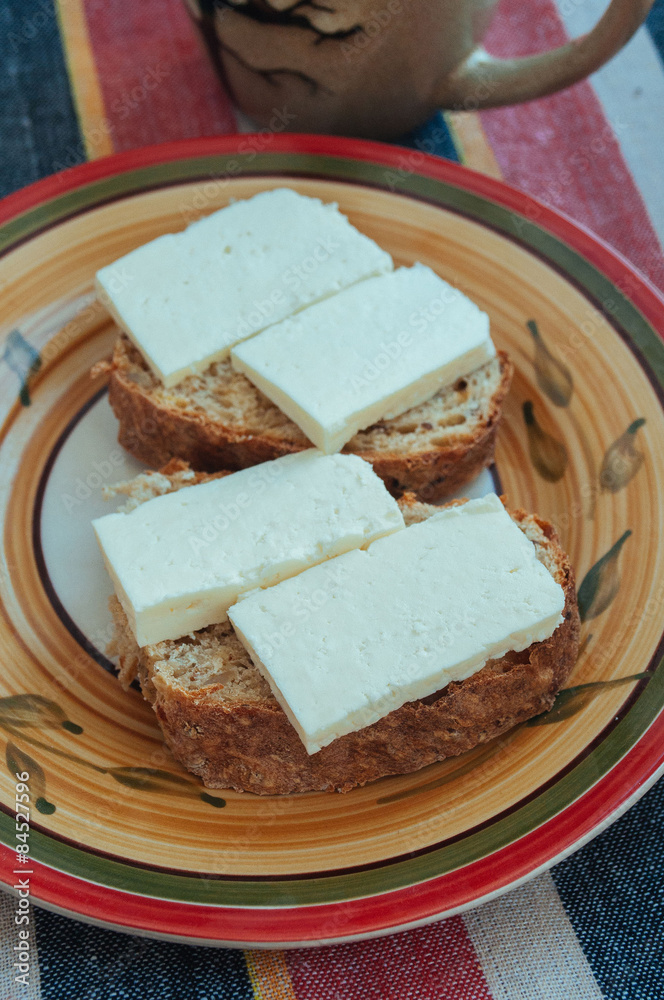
<point>655,24</point>
<point>80,962</point>
<point>38,128</point>
<point>612,891</point>
<point>432,137</point>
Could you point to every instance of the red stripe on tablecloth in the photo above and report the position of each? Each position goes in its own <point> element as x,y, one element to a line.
<point>546,147</point>
<point>157,80</point>
<point>437,962</point>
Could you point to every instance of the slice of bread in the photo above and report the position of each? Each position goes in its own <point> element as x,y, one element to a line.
<point>219,420</point>
<point>221,720</point>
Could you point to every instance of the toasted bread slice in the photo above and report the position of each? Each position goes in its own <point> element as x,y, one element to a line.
<point>219,420</point>
<point>221,720</point>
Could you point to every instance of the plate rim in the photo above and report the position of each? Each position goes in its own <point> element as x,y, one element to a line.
<point>594,248</point>
<point>18,208</point>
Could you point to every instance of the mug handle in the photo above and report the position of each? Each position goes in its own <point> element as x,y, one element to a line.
<point>483,81</point>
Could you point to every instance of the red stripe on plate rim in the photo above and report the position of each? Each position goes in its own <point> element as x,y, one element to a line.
<point>644,295</point>
<point>382,914</point>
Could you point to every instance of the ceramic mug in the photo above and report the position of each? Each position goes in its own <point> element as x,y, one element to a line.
<point>378,68</point>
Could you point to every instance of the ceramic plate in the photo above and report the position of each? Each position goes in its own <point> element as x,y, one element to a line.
<point>120,834</point>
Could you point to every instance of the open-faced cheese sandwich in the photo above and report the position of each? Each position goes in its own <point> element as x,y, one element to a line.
<point>301,630</point>
<point>274,323</point>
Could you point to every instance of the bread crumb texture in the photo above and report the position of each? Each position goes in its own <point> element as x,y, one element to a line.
<point>220,420</point>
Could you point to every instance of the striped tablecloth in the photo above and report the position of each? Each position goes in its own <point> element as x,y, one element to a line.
<point>80,79</point>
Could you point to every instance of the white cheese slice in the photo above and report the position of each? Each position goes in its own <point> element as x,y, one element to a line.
<point>179,561</point>
<point>372,352</point>
<point>186,298</point>
<point>345,643</point>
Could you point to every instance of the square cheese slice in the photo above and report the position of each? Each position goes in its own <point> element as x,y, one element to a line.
<point>186,298</point>
<point>180,560</point>
<point>347,642</point>
<point>370,353</point>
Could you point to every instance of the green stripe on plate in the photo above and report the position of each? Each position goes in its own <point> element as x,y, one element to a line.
<point>215,890</point>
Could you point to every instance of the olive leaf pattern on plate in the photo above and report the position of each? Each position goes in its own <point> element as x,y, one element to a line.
<point>20,762</point>
<point>602,582</point>
<point>553,377</point>
<point>548,455</point>
<point>23,360</point>
<point>622,460</point>
<point>22,712</point>
<point>571,700</point>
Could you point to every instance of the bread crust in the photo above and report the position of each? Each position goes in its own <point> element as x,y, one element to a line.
<point>253,747</point>
<point>155,432</point>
